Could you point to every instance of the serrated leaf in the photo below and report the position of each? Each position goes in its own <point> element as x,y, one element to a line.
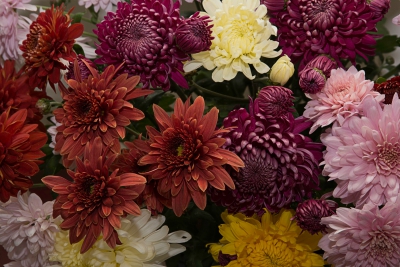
<point>387,44</point>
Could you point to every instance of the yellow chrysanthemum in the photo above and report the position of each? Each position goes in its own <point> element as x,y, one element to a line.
<point>274,241</point>
<point>65,253</point>
<point>241,32</point>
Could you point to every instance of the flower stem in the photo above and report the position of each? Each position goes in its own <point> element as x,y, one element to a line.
<point>392,72</point>
<point>209,92</point>
<point>44,7</point>
<point>89,34</point>
<point>88,20</point>
<point>133,131</point>
<point>198,6</point>
<point>38,185</point>
<point>177,89</point>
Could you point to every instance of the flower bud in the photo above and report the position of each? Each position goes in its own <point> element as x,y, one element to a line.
<point>282,70</point>
<point>312,80</point>
<point>274,102</point>
<point>322,63</point>
<point>193,35</point>
<point>82,67</point>
<point>44,106</point>
<point>379,8</point>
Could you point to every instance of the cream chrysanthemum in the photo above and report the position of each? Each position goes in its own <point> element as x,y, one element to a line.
<point>275,240</point>
<point>241,32</point>
<point>143,245</point>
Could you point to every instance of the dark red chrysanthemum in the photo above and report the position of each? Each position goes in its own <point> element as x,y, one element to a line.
<point>94,201</point>
<point>142,34</point>
<point>193,35</point>
<point>127,161</point>
<point>309,213</point>
<point>389,88</point>
<point>85,72</point>
<point>275,101</point>
<point>50,39</point>
<point>339,28</point>
<point>281,165</point>
<point>312,80</point>
<point>20,146</point>
<point>186,155</point>
<point>96,106</point>
<point>16,93</point>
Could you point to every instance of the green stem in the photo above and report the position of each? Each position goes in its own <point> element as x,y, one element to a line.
<point>38,186</point>
<point>44,7</point>
<point>179,91</point>
<point>392,72</point>
<point>198,6</point>
<point>132,131</point>
<point>88,20</point>
<point>89,34</point>
<point>209,92</point>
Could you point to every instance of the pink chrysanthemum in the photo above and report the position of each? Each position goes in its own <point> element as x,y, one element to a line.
<point>342,95</point>
<point>339,28</point>
<point>141,34</point>
<point>368,237</point>
<point>105,5</point>
<point>363,155</point>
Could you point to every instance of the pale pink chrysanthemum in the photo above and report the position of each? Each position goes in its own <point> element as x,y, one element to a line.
<point>363,155</point>
<point>11,31</point>
<point>368,237</point>
<point>341,95</point>
<point>27,230</point>
<point>98,4</point>
<point>396,20</point>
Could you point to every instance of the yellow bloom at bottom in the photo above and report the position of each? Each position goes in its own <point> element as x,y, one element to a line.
<point>273,241</point>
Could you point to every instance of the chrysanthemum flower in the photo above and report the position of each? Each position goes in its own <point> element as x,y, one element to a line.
<point>127,161</point>
<point>362,156</point>
<point>193,35</point>
<point>396,20</point>
<point>368,237</point>
<point>94,202</point>
<point>339,28</point>
<point>241,32</point>
<point>27,230</point>
<point>186,155</point>
<point>144,243</point>
<point>96,106</point>
<point>274,102</point>
<point>323,63</point>
<point>10,30</point>
<point>309,213</point>
<point>281,165</point>
<point>20,150</point>
<point>389,88</point>
<point>342,95</point>
<point>16,93</point>
<point>142,34</point>
<point>49,42</point>
<point>379,7</point>
<point>105,5</point>
<point>273,240</point>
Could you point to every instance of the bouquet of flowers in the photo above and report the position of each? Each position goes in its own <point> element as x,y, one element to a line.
<point>239,133</point>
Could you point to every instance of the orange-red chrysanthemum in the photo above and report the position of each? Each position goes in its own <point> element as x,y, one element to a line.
<point>51,38</point>
<point>20,150</point>
<point>96,106</point>
<point>186,155</point>
<point>16,93</point>
<point>127,161</point>
<point>94,202</point>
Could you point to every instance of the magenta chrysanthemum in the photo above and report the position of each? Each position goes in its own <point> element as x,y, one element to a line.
<point>363,155</point>
<point>341,97</point>
<point>142,34</point>
<point>281,165</point>
<point>339,28</point>
<point>274,101</point>
<point>369,237</point>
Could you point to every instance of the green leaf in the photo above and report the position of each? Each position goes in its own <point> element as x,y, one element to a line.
<point>78,49</point>
<point>380,80</point>
<point>387,44</point>
<point>76,18</point>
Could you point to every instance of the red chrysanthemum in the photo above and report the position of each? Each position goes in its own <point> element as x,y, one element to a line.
<point>127,161</point>
<point>389,88</point>
<point>96,106</point>
<point>50,39</point>
<point>20,150</point>
<point>186,155</point>
<point>16,93</point>
<point>94,202</point>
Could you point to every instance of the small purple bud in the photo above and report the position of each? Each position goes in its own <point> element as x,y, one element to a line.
<point>274,102</point>
<point>312,80</point>
<point>84,70</point>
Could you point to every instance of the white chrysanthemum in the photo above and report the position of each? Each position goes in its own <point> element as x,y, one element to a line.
<point>98,4</point>
<point>67,254</point>
<point>241,32</point>
<point>27,230</point>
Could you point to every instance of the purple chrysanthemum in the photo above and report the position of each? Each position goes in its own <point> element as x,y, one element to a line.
<point>281,165</point>
<point>85,72</point>
<point>309,213</point>
<point>379,7</point>
<point>194,34</point>
<point>339,28</point>
<point>274,101</point>
<point>142,34</point>
<point>312,80</point>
